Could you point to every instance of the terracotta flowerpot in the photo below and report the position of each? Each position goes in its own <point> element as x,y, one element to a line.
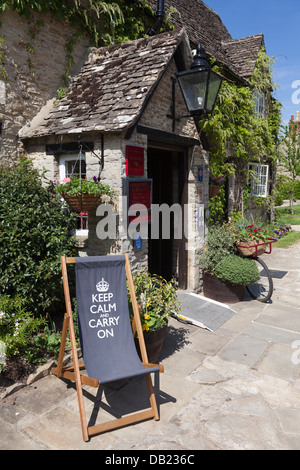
<point>154,341</point>
<point>220,291</point>
<point>81,202</point>
<point>213,190</point>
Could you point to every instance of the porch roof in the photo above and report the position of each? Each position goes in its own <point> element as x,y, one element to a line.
<point>111,90</point>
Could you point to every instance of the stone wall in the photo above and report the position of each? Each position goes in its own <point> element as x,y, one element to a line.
<point>32,77</point>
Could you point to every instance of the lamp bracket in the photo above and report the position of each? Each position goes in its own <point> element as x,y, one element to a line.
<point>172,115</point>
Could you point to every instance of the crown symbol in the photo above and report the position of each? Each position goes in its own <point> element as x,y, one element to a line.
<point>102,286</point>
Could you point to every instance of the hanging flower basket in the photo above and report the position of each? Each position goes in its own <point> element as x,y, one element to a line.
<point>81,202</point>
<point>213,190</point>
<point>83,195</point>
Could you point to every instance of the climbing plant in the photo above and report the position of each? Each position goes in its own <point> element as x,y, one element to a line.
<point>103,22</point>
<point>120,20</point>
<point>83,14</point>
<point>237,135</point>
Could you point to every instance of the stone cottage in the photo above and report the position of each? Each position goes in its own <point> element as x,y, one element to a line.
<point>116,112</point>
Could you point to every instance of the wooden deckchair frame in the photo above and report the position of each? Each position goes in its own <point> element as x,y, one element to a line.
<point>73,373</point>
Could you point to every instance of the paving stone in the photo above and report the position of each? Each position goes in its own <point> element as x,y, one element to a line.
<point>244,349</point>
<point>37,400</point>
<point>207,342</point>
<point>289,419</point>
<point>272,334</point>
<point>61,430</point>
<point>285,317</point>
<point>278,361</point>
<point>11,439</point>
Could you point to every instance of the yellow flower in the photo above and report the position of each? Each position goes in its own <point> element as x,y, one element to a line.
<point>146,317</point>
<point>146,327</point>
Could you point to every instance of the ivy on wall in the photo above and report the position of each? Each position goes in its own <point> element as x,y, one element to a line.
<point>79,13</point>
<point>104,23</point>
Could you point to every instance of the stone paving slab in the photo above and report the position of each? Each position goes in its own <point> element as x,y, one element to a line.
<point>271,333</point>
<point>278,361</point>
<point>286,318</point>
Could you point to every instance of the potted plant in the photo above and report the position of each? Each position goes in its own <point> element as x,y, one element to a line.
<point>215,184</point>
<point>83,194</point>
<point>225,274</point>
<point>157,299</point>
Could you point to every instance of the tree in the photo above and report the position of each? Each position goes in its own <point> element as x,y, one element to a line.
<point>290,157</point>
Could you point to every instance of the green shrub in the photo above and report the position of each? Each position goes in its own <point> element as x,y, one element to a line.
<point>237,270</point>
<point>34,232</point>
<point>17,325</point>
<point>219,244</point>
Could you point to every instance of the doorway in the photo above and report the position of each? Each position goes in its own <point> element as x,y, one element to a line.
<point>167,257</point>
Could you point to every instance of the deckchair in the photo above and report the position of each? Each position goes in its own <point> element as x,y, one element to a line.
<point>106,334</point>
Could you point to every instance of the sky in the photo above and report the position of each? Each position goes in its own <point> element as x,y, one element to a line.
<point>279,21</point>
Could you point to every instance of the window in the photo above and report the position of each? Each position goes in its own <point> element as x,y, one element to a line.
<point>74,165</point>
<point>259,176</point>
<point>259,100</point>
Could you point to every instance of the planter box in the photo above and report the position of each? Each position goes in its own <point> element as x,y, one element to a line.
<point>220,291</point>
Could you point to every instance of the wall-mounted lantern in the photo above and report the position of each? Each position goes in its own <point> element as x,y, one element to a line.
<point>199,85</point>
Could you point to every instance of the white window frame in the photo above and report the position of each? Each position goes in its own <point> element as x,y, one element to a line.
<point>260,181</point>
<point>63,159</point>
<point>259,100</point>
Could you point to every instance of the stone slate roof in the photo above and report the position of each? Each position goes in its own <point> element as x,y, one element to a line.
<point>204,25</point>
<point>111,89</point>
<point>243,53</point>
